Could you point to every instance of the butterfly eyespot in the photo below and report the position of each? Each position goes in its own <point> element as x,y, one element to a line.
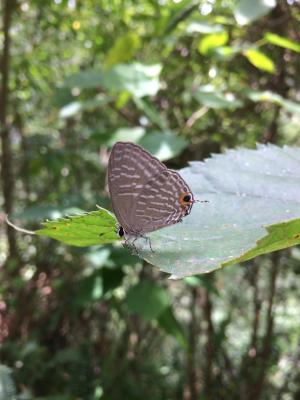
<point>185,199</point>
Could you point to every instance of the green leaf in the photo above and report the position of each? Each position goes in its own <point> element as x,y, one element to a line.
<point>203,27</point>
<point>203,281</point>
<point>97,257</point>
<point>282,41</point>
<point>247,190</point>
<point>280,236</point>
<point>124,49</point>
<point>88,290</point>
<point>138,79</point>
<point>268,96</point>
<point>111,279</point>
<point>212,41</point>
<point>89,79</point>
<point>96,227</point>
<point>154,116</point>
<point>168,322</point>
<point>291,106</point>
<point>260,60</point>
<point>132,134</point>
<point>72,109</point>
<point>247,11</point>
<point>225,52</point>
<point>121,256</point>
<point>212,98</point>
<point>147,300</point>
<point>183,10</point>
<point>163,145</point>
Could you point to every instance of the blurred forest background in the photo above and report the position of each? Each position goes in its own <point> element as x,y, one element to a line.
<point>183,79</point>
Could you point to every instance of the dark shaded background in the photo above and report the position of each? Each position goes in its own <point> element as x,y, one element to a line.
<point>97,323</point>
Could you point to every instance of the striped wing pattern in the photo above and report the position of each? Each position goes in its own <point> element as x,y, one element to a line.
<point>158,205</point>
<point>129,168</point>
<point>144,193</point>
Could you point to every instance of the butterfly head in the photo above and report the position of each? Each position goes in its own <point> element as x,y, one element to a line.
<point>121,231</point>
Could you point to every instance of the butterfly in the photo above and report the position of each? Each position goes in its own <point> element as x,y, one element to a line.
<point>145,194</point>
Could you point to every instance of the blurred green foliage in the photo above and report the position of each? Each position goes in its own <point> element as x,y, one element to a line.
<point>96,323</point>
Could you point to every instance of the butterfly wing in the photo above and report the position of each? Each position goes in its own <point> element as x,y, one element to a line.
<point>129,168</point>
<point>158,204</point>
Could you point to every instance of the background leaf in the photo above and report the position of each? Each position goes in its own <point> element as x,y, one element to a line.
<point>212,41</point>
<point>212,98</point>
<point>137,79</point>
<point>267,96</point>
<point>72,109</point>
<point>123,50</point>
<point>260,60</point>
<point>133,134</point>
<point>203,27</point>
<point>163,145</point>
<point>282,41</point>
<point>148,300</point>
<point>246,11</point>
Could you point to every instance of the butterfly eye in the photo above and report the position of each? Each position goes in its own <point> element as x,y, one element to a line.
<point>121,231</point>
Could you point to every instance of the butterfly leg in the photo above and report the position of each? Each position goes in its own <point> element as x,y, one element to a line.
<point>131,247</point>
<point>149,242</point>
<point>150,245</point>
<point>135,249</point>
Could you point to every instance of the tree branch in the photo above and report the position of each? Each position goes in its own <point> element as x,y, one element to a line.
<point>209,348</point>
<point>6,157</point>
<point>192,390</point>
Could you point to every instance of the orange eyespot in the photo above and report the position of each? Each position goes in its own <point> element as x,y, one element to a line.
<point>185,199</point>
